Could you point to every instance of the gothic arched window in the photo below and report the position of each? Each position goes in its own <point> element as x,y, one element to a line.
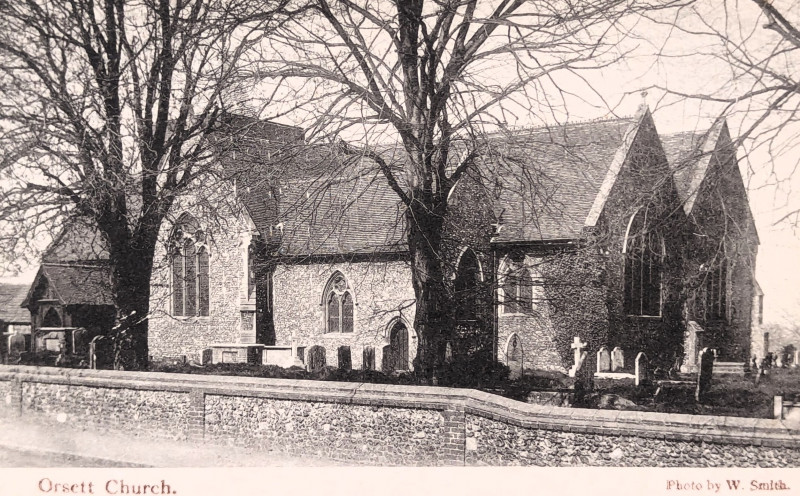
<point>516,285</point>
<point>644,256</point>
<point>338,305</point>
<point>189,261</point>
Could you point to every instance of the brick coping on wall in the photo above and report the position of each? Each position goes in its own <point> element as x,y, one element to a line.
<point>668,426</point>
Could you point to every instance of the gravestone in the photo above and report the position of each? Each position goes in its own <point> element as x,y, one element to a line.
<point>100,352</point>
<point>16,346</point>
<point>642,366</point>
<point>796,361</point>
<point>368,358</point>
<point>617,359</point>
<point>80,341</point>
<point>704,373</point>
<point>779,360</point>
<point>578,355</point>
<point>448,353</point>
<point>345,361</point>
<point>316,358</point>
<point>584,378</point>
<point>603,360</point>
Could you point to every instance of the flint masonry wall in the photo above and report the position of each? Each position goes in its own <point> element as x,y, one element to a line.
<point>387,424</point>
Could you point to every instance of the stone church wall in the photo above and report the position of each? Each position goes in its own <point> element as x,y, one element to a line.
<point>382,294</point>
<point>380,424</point>
<point>171,336</point>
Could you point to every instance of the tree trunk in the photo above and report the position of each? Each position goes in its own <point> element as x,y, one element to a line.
<point>132,267</point>
<point>430,322</point>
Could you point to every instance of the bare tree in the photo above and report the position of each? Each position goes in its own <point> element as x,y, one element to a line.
<point>107,109</point>
<point>436,77</point>
<point>753,47</point>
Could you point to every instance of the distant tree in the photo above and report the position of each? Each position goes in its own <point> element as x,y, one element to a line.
<point>107,111</point>
<point>436,77</point>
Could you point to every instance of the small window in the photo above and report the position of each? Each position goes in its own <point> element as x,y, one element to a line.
<point>338,305</point>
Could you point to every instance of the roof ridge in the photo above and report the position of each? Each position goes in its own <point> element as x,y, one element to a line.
<point>542,127</point>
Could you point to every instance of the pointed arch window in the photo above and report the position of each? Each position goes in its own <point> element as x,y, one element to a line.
<point>189,262</point>
<point>338,305</point>
<point>644,256</point>
<point>516,284</point>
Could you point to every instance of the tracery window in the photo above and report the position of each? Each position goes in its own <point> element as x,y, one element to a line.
<point>644,255</point>
<point>189,263</point>
<point>338,305</point>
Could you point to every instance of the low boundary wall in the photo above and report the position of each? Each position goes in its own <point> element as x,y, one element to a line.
<point>386,424</point>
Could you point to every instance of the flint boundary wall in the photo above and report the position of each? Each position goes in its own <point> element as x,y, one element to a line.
<point>386,424</point>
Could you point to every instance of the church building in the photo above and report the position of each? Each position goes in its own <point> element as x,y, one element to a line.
<point>602,230</point>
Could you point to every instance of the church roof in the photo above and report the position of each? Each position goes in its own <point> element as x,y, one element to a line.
<point>551,178</point>
<point>688,154</point>
<point>11,298</point>
<point>79,240</point>
<point>73,284</point>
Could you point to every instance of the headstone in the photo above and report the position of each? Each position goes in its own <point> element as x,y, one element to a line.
<point>779,360</point>
<point>578,355</point>
<point>584,377</point>
<point>97,352</point>
<point>316,358</point>
<point>80,341</point>
<point>617,359</point>
<point>796,360</point>
<point>448,353</point>
<point>16,345</point>
<point>368,358</point>
<point>694,331</point>
<point>642,369</point>
<point>345,362</point>
<point>704,373</point>
<point>603,360</point>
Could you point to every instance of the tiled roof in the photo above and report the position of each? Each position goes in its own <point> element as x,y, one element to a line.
<point>551,176</point>
<point>79,240</point>
<point>74,284</point>
<point>548,179</point>
<point>358,214</point>
<point>11,298</point>
<point>683,152</point>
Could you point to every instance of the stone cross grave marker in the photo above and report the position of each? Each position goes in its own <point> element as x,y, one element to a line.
<point>642,365</point>
<point>617,359</point>
<point>704,373</point>
<point>579,355</point>
<point>603,360</point>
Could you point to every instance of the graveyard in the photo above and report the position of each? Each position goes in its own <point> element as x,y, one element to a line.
<point>701,386</point>
<point>608,385</point>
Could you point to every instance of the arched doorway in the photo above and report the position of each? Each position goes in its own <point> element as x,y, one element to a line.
<point>397,353</point>
<point>51,319</point>
<point>470,338</point>
<point>515,356</point>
